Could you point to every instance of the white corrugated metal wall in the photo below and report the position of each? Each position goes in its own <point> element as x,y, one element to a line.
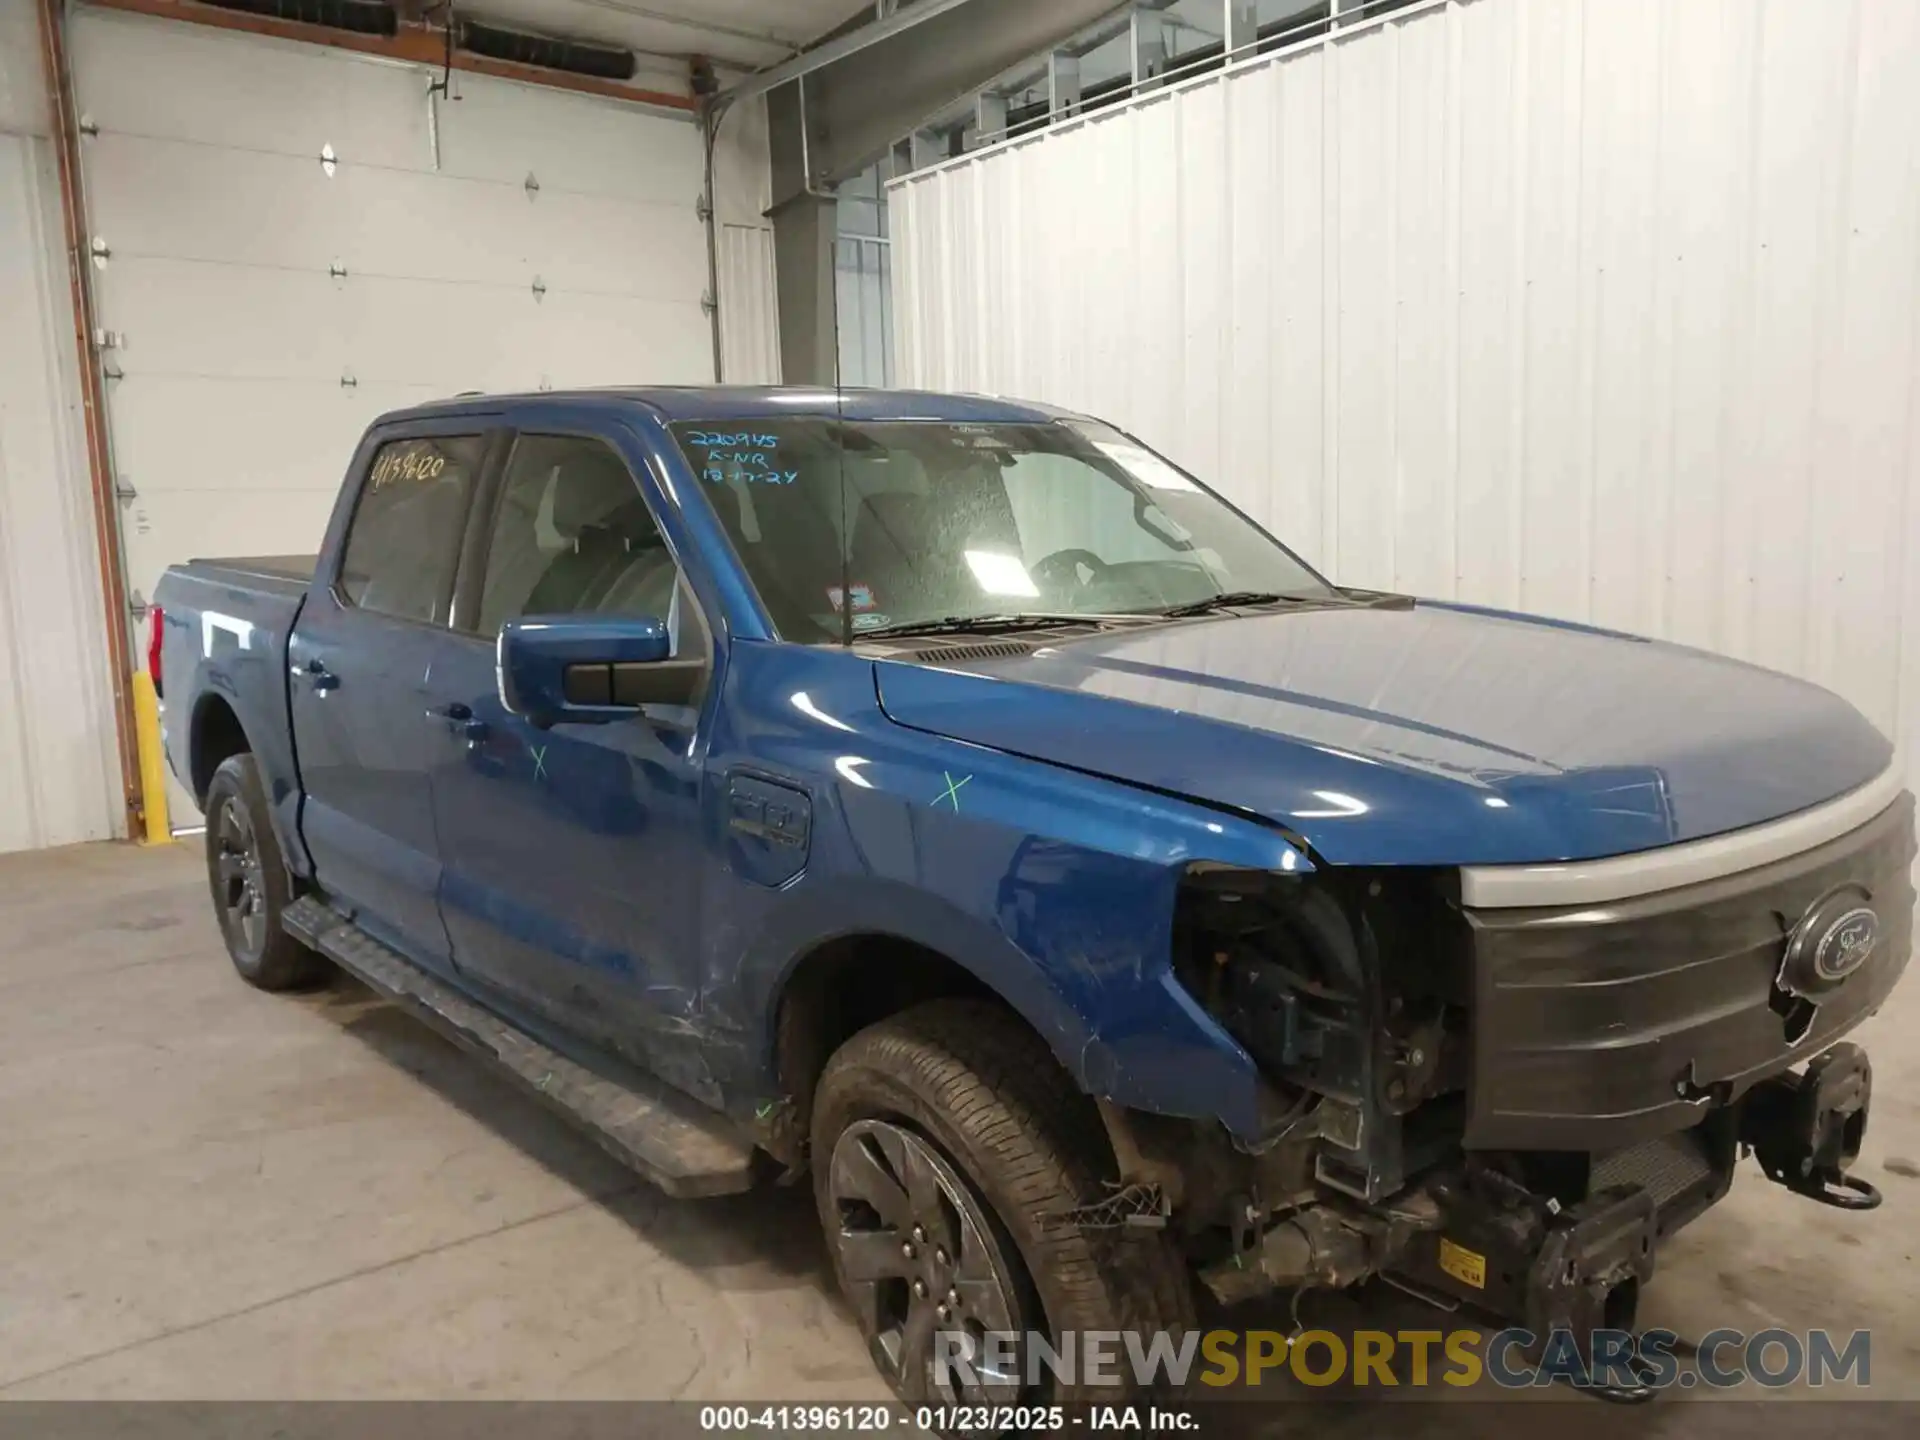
<point>1607,309</point>
<point>59,771</point>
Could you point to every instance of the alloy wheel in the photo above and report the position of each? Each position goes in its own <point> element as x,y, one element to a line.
<point>920,1255</point>
<point>243,895</point>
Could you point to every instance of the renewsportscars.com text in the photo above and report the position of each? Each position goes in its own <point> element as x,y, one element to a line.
<point>1508,1359</point>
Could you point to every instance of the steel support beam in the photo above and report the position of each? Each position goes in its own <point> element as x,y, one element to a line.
<point>1063,85</point>
<point>1036,69</point>
<point>860,104</point>
<point>836,109</point>
<point>805,223</point>
<point>888,23</point>
<point>804,231</point>
<point>989,118</point>
<point>1241,30</point>
<point>918,150</point>
<point>927,147</point>
<point>1148,37</point>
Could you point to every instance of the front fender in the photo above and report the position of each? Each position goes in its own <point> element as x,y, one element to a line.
<point>1055,889</point>
<point>1128,1033</point>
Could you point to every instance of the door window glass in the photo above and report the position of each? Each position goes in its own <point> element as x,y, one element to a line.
<point>571,535</point>
<point>404,541</point>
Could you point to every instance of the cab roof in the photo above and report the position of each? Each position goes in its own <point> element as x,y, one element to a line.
<point>758,402</point>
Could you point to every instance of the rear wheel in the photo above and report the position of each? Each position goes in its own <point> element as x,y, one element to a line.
<point>950,1154</point>
<point>250,884</point>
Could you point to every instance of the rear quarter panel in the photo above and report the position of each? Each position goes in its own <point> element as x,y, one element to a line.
<point>224,643</point>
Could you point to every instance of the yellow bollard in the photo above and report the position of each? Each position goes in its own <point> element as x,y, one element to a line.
<point>153,766</point>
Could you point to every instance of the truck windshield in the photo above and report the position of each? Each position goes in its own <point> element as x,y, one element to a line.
<point>915,522</point>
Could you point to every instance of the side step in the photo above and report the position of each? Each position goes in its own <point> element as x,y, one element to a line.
<point>670,1140</point>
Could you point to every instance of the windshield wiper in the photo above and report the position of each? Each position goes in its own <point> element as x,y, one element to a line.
<point>974,625</point>
<point>1227,601</point>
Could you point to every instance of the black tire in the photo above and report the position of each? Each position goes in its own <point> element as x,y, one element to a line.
<point>970,1077</point>
<point>249,882</point>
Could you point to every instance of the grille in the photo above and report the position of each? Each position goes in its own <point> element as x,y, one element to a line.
<point>1598,1027</point>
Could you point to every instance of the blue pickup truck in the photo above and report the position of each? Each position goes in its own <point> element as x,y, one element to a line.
<point>955,803</point>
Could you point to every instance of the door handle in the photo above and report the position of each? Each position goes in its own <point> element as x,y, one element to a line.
<point>460,714</point>
<point>321,678</point>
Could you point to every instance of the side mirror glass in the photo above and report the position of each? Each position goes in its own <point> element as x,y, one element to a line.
<point>590,669</point>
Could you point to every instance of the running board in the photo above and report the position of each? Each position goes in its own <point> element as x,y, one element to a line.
<point>671,1141</point>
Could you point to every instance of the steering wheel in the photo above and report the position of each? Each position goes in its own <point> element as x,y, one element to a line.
<point>1061,569</point>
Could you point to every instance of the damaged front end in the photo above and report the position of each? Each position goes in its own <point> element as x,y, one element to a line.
<point>1514,1109</point>
<point>1351,993</point>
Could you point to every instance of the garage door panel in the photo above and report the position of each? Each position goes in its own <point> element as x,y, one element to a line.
<point>261,458</point>
<point>588,242</point>
<point>135,76</point>
<point>196,202</point>
<point>190,318</point>
<point>431,227</point>
<point>231,421</point>
<point>484,232</point>
<point>504,132</point>
<point>231,523</point>
<point>200,432</point>
<point>384,122</point>
<point>447,338</point>
<point>600,340</point>
<point>442,341</point>
<point>163,198</point>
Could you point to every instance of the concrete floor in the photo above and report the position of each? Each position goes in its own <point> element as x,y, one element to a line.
<point>206,1192</point>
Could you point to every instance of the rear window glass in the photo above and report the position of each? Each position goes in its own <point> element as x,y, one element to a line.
<point>404,542</point>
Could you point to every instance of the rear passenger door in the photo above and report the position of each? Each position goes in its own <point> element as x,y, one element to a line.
<point>572,855</point>
<point>359,656</point>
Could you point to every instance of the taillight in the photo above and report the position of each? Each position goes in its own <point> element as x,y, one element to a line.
<point>156,624</point>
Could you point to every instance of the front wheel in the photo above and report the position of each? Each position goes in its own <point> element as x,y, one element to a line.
<point>250,884</point>
<point>950,1155</point>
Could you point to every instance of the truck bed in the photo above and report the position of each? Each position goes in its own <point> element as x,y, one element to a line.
<point>273,574</point>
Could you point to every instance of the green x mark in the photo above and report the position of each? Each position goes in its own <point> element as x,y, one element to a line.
<point>539,762</point>
<point>952,792</point>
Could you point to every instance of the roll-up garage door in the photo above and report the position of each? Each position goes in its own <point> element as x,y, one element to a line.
<point>290,240</point>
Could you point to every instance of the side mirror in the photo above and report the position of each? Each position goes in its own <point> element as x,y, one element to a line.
<point>590,669</point>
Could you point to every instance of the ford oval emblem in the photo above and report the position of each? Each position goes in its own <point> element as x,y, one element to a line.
<point>1846,942</point>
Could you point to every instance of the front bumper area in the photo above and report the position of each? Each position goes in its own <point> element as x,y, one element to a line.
<point>1600,1070</point>
<point>1598,1027</point>
<point>1526,1256</point>
<point>1562,1242</point>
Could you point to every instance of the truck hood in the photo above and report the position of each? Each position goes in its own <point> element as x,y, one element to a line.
<point>1430,735</point>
